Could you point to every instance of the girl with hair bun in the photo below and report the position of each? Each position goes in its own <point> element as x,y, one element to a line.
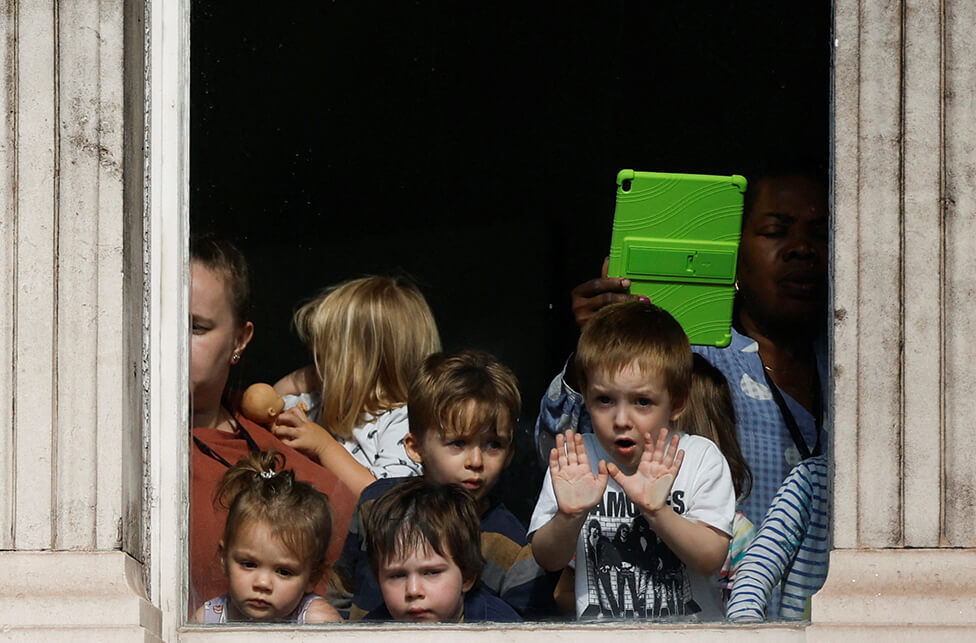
<point>273,549</point>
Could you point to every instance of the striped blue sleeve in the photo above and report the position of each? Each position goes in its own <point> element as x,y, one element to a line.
<point>790,549</point>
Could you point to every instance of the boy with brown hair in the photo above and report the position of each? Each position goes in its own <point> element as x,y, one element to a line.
<point>634,363</point>
<point>423,547</point>
<point>463,409</point>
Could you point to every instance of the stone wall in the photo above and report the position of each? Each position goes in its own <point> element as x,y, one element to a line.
<point>71,332</point>
<point>93,294</point>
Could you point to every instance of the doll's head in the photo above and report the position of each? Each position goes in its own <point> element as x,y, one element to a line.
<point>261,403</point>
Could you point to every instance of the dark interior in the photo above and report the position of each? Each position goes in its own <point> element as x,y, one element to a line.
<point>474,146</point>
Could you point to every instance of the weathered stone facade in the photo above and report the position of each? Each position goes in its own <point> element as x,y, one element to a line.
<point>93,151</point>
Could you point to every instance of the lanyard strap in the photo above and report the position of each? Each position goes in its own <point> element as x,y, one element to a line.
<point>801,444</point>
<point>208,450</point>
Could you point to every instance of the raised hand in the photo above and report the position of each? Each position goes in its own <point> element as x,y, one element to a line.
<point>577,489</point>
<point>649,486</point>
<point>592,295</point>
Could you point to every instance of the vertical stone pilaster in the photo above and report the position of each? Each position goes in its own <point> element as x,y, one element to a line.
<point>846,279</point>
<point>905,236</point>
<point>35,372</point>
<point>877,211</point>
<point>923,270</point>
<point>959,495</point>
<point>8,231</point>
<point>71,321</point>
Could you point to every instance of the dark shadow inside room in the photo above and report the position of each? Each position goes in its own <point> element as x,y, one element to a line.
<point>474,147</point>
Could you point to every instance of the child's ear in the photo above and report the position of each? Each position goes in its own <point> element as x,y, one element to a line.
<point>468,584</point>
<point>678,407</point>
<point>412,446</point>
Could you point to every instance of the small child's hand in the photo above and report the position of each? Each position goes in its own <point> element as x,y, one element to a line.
<point>295,429</point>
<point>577,489</point>
<point>650,485</point>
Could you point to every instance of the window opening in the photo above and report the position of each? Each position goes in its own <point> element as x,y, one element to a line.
<point>474,149</point>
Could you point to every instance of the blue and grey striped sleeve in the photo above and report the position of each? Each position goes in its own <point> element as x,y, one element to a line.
<point>790,549</point>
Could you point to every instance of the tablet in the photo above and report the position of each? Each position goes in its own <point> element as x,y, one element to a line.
<point>676,237</point>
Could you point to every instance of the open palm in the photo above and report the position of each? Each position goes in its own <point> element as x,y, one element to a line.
<point>650,484</point>
<point>576,488</point>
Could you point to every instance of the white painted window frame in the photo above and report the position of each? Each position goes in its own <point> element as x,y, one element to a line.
<point>168,174</point>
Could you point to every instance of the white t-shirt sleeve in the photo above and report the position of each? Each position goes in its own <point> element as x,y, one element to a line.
<point>545,506</point>
<point>710,495</point>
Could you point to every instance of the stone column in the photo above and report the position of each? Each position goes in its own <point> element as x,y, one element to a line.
<point>71,329</point>
<point>904,494</point>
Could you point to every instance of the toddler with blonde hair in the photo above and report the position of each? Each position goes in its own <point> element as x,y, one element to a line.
<point>368,338</point>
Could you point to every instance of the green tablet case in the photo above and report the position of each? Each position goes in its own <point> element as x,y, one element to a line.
<point>676,237</point>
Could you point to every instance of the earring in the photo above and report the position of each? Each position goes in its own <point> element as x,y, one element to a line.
<point>236,357</point>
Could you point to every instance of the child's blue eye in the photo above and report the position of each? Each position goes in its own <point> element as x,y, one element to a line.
<point>248,564</point>
<point>644,401</point>
<point>458,443</point>
<point>603,399</point>
<point>285,572</point>
<point>494,444</point>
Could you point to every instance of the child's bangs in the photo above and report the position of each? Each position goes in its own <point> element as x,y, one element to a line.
<point>413,537</point>
<point>297,541</point>
<point>476,418</point>
<point>646,358</point>
<point>618,358</point>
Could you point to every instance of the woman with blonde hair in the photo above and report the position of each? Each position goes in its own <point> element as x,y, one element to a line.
<point>368,338</point>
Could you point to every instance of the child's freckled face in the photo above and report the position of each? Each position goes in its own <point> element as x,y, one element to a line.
<point>624,407</point>
<point>423,587</point>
